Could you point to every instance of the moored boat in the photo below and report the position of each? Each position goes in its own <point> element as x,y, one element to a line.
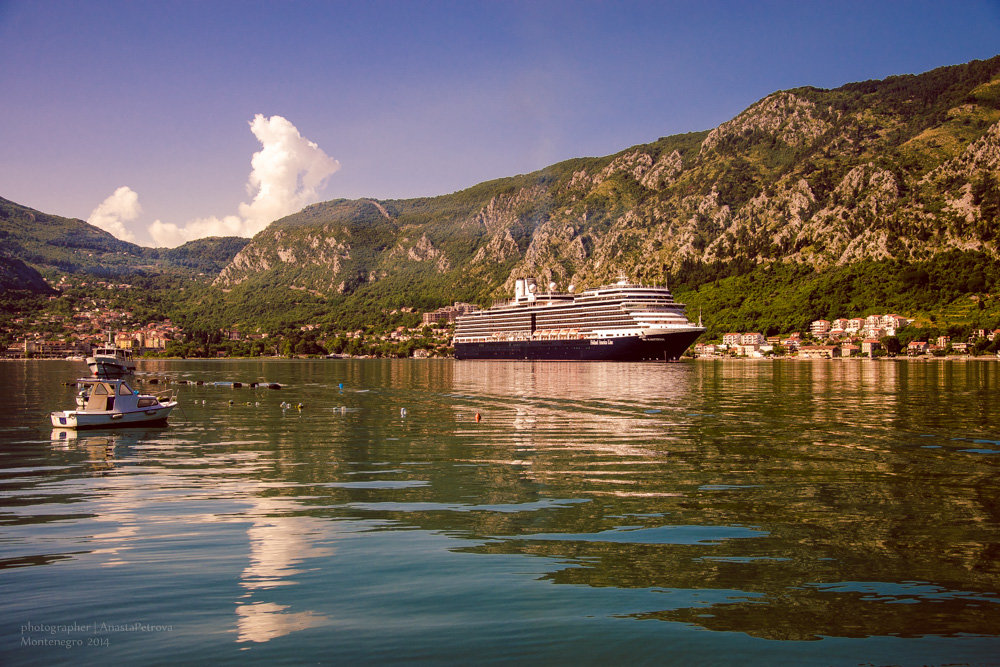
<point>620,322</point>
<point>111,361</point>
<point>110,403</point>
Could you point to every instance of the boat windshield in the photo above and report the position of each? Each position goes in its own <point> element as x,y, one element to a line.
<point>124,389</point>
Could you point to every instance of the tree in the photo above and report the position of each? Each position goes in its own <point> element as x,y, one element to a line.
<point>891,345</point>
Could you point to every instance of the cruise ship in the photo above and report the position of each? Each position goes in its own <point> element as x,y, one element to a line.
<point>620,322</point>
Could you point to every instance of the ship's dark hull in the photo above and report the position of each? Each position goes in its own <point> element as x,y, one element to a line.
<point>627,348</point>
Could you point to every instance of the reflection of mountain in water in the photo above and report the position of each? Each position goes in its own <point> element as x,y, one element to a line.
<point>786,500</point>
<point>824,461</point>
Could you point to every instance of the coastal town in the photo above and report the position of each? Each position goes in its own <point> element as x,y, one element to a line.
<point>871,336</point>
<point>55,335</point>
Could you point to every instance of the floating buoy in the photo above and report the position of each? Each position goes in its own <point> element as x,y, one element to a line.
<point>402,412</point>
<point>300,406</point>
<point>230,402</point>
<point>340,386</point>
<point>478,417</point>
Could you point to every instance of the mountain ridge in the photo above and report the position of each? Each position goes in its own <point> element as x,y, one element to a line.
<point>898,170</point>
<point>902,168</point>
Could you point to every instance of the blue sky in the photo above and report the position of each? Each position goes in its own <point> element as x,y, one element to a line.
<point>410,98</point>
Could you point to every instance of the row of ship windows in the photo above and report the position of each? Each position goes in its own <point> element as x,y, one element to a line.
<point>550,323</point>
<point>611,305</point>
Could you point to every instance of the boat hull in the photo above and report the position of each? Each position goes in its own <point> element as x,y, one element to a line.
<point>663,347</point>
<point>78,419</point>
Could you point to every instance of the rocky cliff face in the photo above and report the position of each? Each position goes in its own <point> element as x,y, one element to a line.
<point>904,168</point>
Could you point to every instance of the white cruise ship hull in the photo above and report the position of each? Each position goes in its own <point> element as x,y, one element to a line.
<point>621,322</point>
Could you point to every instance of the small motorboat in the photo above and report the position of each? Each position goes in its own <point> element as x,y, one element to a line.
<point>111,402</point>
<point>111,361</point>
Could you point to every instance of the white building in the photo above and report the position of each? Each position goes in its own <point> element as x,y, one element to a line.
<point>819,328</point>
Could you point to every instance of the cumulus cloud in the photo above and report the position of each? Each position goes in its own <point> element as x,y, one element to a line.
<point>169,235</point>
<point>286,175</point>
<point>287,172</point>
<point>112,213</point>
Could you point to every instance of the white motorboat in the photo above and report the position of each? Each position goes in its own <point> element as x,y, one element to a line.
<point>110,361</point>
<point>110,403</point>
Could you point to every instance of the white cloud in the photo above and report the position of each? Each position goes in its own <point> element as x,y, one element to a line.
<point>169,235</point>
<point>112,213</point>
<point>286,175</point>
<point>287,172</point>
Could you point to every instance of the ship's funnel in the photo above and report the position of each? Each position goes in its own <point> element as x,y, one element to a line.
<point>518,289</point>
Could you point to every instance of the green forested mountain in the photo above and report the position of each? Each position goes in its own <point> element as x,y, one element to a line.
<point>18,277</point>
<point>898,170</point>
<point>810,203</point>
<point>57,245</point>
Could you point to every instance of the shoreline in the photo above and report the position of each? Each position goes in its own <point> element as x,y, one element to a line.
<point>922,359</point>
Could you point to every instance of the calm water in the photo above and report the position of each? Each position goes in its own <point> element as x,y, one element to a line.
<point>841,512</point>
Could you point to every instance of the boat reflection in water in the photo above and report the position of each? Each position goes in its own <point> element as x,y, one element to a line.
<point>817,512</point>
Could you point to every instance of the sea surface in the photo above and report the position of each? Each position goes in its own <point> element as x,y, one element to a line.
<point>836,512</point>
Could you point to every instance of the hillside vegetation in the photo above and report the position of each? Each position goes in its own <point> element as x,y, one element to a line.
<point>875,196</point>
<point>875,174</point>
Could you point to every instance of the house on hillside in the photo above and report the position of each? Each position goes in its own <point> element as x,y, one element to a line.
<point>869,346</point>
<point>731,339</point>
<point>819,351</point>
<point>819,328</point>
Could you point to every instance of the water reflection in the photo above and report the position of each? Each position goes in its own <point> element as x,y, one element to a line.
<point>778,500</point>
<point>279,545</point>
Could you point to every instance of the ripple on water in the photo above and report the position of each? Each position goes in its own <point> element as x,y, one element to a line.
<point>688,535</point>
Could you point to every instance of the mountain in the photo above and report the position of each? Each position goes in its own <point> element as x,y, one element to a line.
<point>810,203</point>
<point>16,276</point>
<point>896,170</point>
<point>208,255</point>
<point>68,245</point>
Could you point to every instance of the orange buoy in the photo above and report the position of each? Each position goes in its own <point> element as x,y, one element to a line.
<point>478,417</point>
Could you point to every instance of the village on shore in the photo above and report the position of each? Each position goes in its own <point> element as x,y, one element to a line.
<point>871,336</point>
<point>55,335</point>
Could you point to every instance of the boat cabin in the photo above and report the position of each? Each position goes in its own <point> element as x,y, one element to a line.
<point>99,395</point>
